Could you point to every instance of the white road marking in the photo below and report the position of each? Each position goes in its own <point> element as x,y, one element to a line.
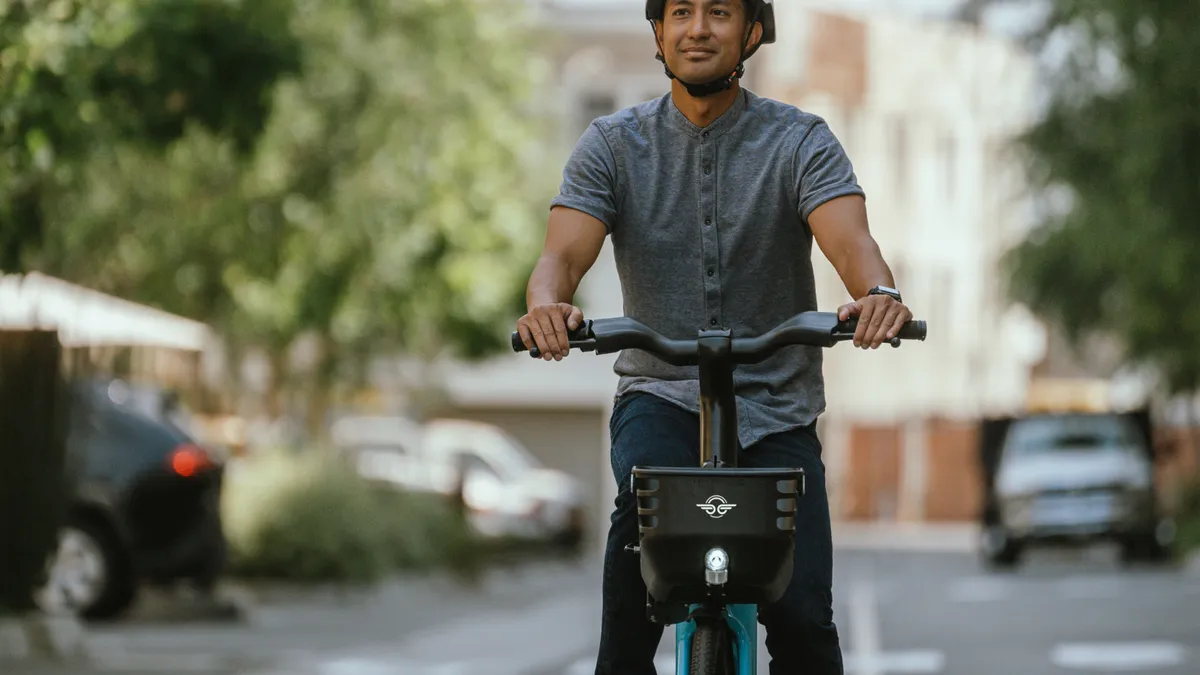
<point>868,657</point>
<point>1119,656</point>
<point>864,627</point>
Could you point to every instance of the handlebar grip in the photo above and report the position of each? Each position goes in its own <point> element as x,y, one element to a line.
<point>578,335</point>
<point>913,330</point>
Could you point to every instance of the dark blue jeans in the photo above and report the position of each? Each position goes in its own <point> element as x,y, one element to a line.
<point>801,637</point>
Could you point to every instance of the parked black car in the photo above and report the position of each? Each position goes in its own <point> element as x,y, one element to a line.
<point>144,506</point>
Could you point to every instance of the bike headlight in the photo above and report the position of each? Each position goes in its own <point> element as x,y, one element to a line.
<point>716,560</point>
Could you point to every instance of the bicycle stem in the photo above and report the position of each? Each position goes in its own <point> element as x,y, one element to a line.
<point>718,405</point>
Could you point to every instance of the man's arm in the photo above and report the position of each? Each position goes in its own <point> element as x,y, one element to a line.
<point>840,228</point>
<point>573,242</point>
<point>581,216</point>
<point>834,206</point>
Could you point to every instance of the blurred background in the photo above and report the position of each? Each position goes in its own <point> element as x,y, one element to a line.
<point>260,261</point>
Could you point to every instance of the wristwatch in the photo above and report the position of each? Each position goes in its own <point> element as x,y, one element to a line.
<point>884,290</point>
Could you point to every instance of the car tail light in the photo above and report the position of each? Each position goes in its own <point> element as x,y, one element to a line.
<point>189,460</point>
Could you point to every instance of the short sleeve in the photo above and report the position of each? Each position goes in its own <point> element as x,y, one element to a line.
<point>823,170</point>
<point>590,178</point>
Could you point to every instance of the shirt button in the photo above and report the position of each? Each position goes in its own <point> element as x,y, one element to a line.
<point>707,169</point>
<point>713,321</point>
<point>711,272</point>
<point>708,221</point>
<point>705,134</point>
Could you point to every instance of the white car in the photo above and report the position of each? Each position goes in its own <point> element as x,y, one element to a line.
<point>507,491</point>
<point>1073,479</point>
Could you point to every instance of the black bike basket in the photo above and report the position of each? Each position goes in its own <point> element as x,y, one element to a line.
<point>750,513</point>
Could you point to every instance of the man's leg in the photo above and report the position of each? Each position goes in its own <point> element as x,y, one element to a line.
<point>801,635</point>
<point>645,431</point>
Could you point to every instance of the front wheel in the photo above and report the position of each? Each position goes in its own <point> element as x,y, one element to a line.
<point>712,648</point>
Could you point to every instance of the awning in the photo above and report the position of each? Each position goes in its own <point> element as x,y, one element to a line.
<point>84,317</point>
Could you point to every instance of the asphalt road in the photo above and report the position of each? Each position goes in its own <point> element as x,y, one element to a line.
<point>898,611</point>
<point>914,612</point>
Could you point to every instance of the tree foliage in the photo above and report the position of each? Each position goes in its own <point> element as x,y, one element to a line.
<point>392,200</point>
<point>1117,155</point>
<point>77,75</point>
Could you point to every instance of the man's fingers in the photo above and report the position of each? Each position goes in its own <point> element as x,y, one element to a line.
<point>546,321</point>
<point>543,333</point>
<point>526,336</point>
<point>882,323</point>
<point>575,319</point>
<point>560,334</point>
<point>902,317</point>
<point>864,321</point>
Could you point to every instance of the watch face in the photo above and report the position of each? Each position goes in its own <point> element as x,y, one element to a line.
<point>888,290</point>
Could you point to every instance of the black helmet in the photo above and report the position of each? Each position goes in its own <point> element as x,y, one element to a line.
<point>763,12</point>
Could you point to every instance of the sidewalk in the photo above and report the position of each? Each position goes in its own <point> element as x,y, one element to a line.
<point>298,634</point>
<point>932,537</point>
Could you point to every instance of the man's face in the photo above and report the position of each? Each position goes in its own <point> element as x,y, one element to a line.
<point>702,40</point>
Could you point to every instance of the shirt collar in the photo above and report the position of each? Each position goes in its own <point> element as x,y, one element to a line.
<point>718,126</point>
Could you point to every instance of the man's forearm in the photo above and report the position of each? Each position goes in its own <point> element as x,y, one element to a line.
<point>861,266</point>
<point>552,281</point>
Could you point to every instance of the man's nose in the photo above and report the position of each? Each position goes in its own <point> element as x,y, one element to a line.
<point>699,28</point>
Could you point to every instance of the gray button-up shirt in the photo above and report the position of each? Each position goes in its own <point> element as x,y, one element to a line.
<point>710,229</point>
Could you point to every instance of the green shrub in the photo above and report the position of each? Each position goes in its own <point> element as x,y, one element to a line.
<point>311,518</point>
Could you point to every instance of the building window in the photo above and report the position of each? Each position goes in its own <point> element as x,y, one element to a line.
<point>592,106</point>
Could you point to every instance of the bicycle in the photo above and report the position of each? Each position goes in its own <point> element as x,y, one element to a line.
<point>716,541</point>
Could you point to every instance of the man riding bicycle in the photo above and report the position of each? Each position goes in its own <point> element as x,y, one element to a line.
<point>712,196</point>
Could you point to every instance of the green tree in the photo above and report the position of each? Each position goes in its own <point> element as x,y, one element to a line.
<point>393,201</point>
<point>76,75</point>
<point>1117,158</point>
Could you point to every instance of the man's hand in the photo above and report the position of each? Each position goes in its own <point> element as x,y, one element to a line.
<point>546,326</point>
<point>880,318</point>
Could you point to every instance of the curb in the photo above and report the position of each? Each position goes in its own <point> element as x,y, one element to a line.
<point>917,537</point>
<point>43,637</point>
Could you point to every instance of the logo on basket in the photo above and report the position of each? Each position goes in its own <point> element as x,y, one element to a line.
<point>716,506</point>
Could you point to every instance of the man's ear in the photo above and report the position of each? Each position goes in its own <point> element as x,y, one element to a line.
<point>756,34</point>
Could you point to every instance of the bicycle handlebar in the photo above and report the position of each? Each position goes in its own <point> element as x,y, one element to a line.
<point>817,329</point>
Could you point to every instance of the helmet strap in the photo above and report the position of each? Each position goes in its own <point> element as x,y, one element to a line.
<point>720,84</point>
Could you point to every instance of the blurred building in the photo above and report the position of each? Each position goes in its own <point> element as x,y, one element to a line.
<point>924,110</point>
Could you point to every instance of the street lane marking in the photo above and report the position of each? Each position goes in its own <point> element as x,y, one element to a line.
<point>1119,656</point>
<point>868,657</point>
<point>864,627</point>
